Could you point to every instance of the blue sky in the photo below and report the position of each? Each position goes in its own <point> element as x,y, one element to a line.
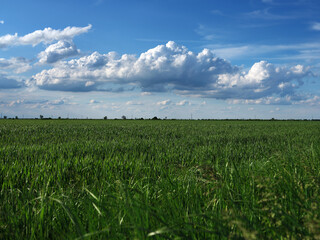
<point>165,58</point>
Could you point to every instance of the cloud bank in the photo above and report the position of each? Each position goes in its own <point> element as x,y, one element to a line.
<point>171,67</point>
<point>47,35</point>
<point>163,68</point>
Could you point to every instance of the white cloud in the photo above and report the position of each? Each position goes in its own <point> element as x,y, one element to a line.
<point>1,22</point>
<point>92,101</point>
<point>172,67</point>
<point>8,40</point>
<point>312,100</point>
<point>263,79</point>
<point>183,103</point>
<point>36,103</point>
<point>146,93</point>
<point>267,15</point>
<point>19,65</point>
<point>164,102</point>
<point>159,69</point>
<point>316,26</point>
<point>47,35</point>
<point>205,32</point>
<point>304,51</point>
<point>55,52</point>
<point>134,103</point>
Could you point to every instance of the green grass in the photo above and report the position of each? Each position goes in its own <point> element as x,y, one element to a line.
<point>92,179</point>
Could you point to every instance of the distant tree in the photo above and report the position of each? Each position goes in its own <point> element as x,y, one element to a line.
<point>124,117</point>
<point>105,118</point>
<point>41,117</point>
<point>59,117</point>
<point>4,117</point>
<point>155,118</point>
<point>16,117</point>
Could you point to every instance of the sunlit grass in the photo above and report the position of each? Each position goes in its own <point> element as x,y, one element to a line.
<point>68,179</point>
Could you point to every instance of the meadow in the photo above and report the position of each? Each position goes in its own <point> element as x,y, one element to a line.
<point>162,179</point>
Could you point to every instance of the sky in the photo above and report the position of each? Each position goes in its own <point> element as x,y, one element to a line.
<point>167,58</point>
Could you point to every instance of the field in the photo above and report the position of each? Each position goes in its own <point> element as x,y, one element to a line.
<point>138,179</point>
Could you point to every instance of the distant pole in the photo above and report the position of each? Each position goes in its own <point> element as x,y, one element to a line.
<point>191,116</point>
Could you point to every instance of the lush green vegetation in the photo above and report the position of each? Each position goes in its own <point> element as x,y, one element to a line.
<point>129,179</point>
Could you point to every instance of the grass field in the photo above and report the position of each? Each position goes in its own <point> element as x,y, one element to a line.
<point>130,179</point>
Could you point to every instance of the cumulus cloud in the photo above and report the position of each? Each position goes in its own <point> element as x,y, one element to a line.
<point>1,22</point>
<point>8,40</point>
<point>18,65</point>
<point>172,67</point>
<point>8,82</point>
<point>47,35</point>
<point>55,52</point>
<point>263,79</point>
<point>162,68</point>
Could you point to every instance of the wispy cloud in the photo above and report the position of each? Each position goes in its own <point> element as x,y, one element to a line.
<point>315,26</point>
<point>266,14</point>
<point>312,100</point>
<point>37,103</point>
<point>288,2</point>
<point>205,32</point>
<point>47,35</point>
<point>217,12</point>
<point>134,103</point>
<point>302,51</point>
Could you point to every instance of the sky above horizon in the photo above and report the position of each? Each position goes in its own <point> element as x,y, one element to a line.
<point>169,58</point>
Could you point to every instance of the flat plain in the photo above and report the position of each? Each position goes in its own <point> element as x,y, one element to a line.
<point>159,179</point>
